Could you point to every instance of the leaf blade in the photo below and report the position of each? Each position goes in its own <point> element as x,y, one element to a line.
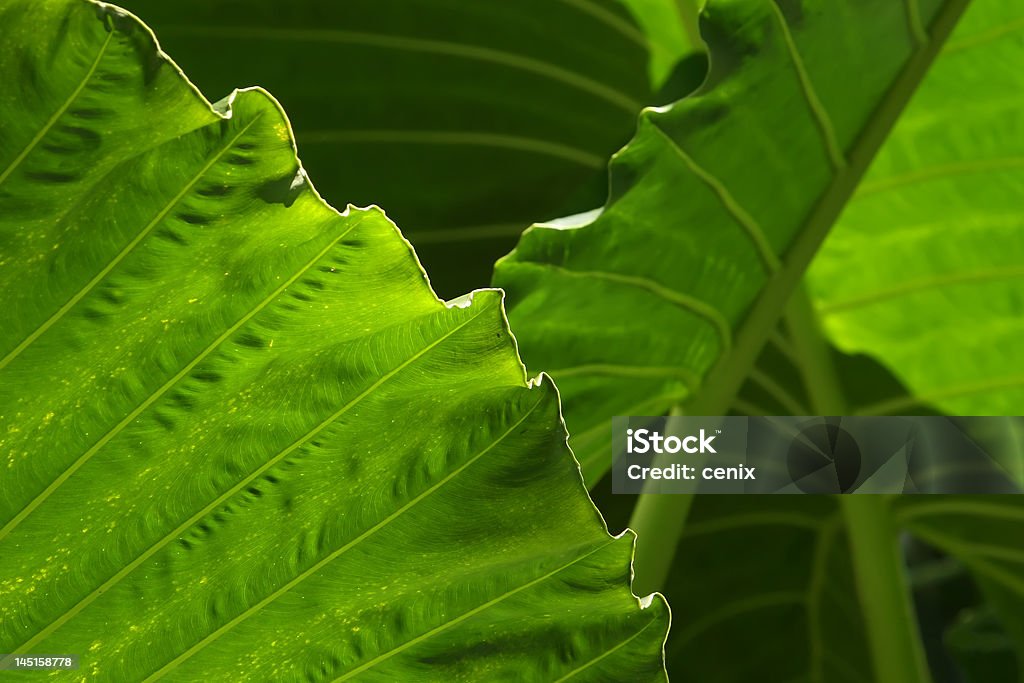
<point>936,215</point>
<point>732,228</point>
<point>253,434</point>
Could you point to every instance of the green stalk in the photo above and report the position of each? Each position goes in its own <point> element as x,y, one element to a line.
<point>812,356</point>
<point>881,577</point>
<point>662,518</point>
<point>882,584</point>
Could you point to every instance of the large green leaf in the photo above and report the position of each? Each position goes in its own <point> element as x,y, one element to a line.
<point>465,121</point>
<point>808,601</point>
<point>240,438</point>
<point>936,233</point>
<point>717,206</point>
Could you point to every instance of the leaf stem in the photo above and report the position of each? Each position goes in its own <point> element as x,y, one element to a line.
<point>881,579</point>
<point>812,354</point>
<point>662,518</point>
<point>879,571</point>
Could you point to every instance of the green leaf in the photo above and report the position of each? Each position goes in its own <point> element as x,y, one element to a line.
<point>984,534</point>
<point>937,234</point>
<point>794,603</point>
<point>465,121</point>
<point>669,293</point>
<point>800,606</point>
<point>240,438</point>
<point>671,29</point>
<point>791,604</point>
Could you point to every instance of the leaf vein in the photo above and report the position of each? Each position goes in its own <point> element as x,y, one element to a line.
<point>932,283</point>
<point>889,406</point>
<point>473,612</point>
<point>939,172</point>
<point>466,138</point>
<point>737,609</point>
<point>738,522</point>
<point>985,37</point>
<point>155,396</point>
<point>127,249</point>
<point>690,304</point>
<point>612,20</point>
<point>777,392</point>
<point>452,49</point>
<point>631,371</point>
<point>605,654</point>
<point>250,611</point>
<point>916,25</point>
<point>768,257</point>
<point>818,110</point>
<point>959,507</point>
<point>52,121</point>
